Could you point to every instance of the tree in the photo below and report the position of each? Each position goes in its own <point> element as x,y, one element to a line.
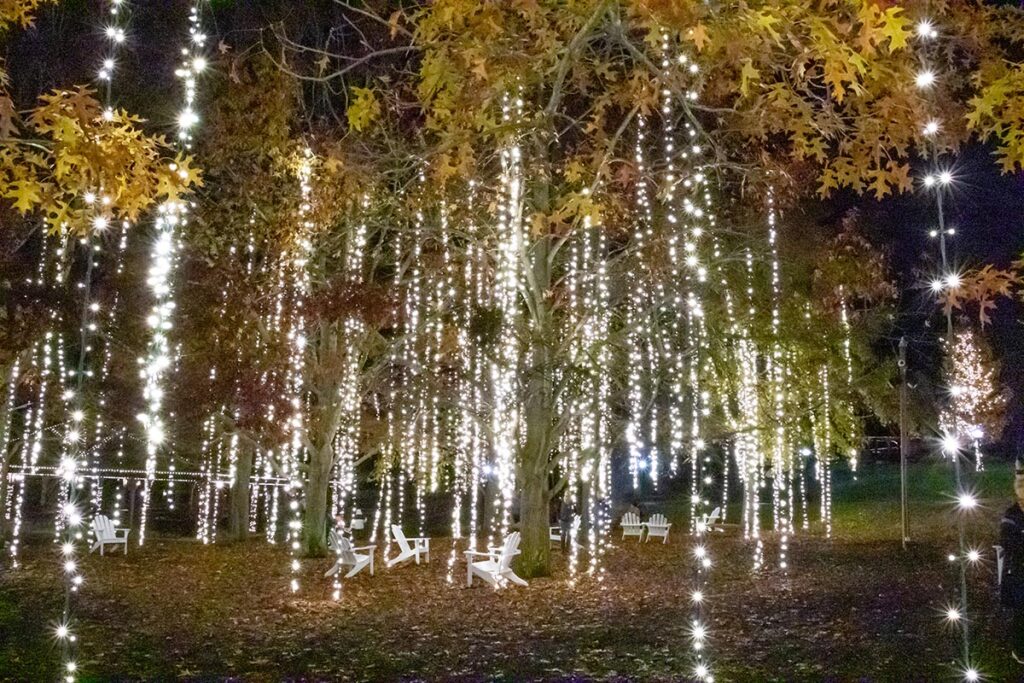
<point>977,404</point>
<point>560,90</point>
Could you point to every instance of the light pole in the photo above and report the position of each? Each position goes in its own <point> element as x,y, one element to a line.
<point>904,511</point>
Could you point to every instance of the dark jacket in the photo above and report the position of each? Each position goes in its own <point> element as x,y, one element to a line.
<point>565,515</point>
<point>1011,537</point>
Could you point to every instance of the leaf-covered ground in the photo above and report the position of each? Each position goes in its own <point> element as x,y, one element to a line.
<point>853,608</point>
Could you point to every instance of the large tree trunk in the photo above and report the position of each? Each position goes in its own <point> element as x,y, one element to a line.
<point>314,528</point>
<point>534,464</point>
<point>238,513</point>
<point>539,407</point>
<point>328,372</point>
<point>535,546</point>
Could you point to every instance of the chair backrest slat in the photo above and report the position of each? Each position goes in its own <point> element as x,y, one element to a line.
<point>630,519</point>
<point>345,551</point>
<point>658,520</point>
<point>102,525</point>
<point>396,531</point>
<point>508,551</point>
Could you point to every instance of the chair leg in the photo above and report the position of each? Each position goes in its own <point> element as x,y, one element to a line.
<point>371,565</point>
<point>469,573</point>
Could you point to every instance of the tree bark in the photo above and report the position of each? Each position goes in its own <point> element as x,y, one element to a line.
<point>238,514</point>
<point>539,407</point>
<point>314,528</point>
<point>325,421</point>
<point>535,546</point>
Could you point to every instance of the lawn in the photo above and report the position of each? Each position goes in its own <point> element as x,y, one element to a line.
<point>856,607</point>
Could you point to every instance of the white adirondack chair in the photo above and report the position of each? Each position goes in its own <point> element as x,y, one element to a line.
<point>107,534</point>
<point>658,525</point>
<point>348,557</point>
<point>358,521</point>
<point>709,521</point>
<point>556,531</point>
<point>497,568</point>
<point>420,545</point>
<point>632,526</point>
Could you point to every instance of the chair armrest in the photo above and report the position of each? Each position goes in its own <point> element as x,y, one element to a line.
<point>365,547</point>
<point>480,553</point>
<point>418,539</point>
<point>122,531</point>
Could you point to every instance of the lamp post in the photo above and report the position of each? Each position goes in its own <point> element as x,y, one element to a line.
<point>904,512</point>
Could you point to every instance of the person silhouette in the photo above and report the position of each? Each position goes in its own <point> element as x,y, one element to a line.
<point>1011,537</point>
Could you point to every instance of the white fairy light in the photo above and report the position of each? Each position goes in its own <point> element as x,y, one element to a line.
<point>967,501</point>
<point>926,30</point>
<point>924,79</point>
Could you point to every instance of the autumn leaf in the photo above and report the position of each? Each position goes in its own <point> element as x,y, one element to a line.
<point>364,108</point>
<point>895,28</point>
<point>8,117</point>
<point>747,73</point>
<point>699,36</point>
<point>393,20</point>
<point>25,194</point>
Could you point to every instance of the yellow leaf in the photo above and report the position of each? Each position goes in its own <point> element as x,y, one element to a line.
<point>767,21</point>
<point>748,73</point>
<point>364,108</point>
<point>895,28</point>
<point>699,35</point>
<point>25,194</point>
<point>393,20</point>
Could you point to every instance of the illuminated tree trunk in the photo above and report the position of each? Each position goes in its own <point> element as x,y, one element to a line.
<point>327,368</point>
<point>535,546</point>
<point>314,528</point>
<point>238,512</point>
<point>535,461</point>
<point>539,404</point>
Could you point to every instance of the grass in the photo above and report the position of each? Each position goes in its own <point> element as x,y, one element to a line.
<point>855,607</point>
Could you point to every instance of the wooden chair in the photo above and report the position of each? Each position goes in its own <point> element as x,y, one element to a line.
<point>348,556</point>
<point>407,551</point>
<point>108,534</point>
<point>497,568</point>
<point>632,526</point>
<point>709,522</point>
<point>358,521</point>
<point>556,531</point>
<point>658,525</point>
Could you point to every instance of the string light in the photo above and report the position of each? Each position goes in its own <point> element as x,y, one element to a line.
<point>951,445</point>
